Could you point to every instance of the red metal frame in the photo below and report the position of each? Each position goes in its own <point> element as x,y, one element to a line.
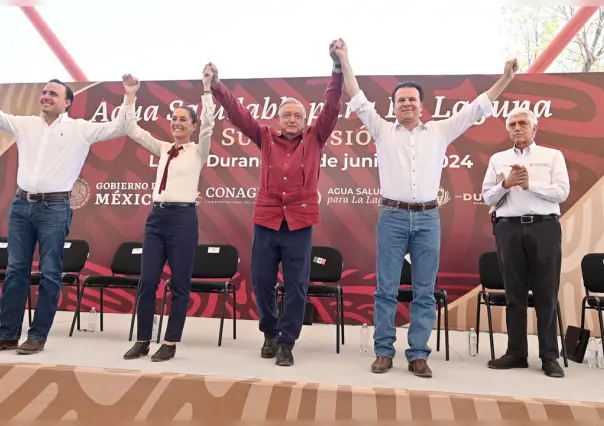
<point>543,61</point>
<point>53,42</point>
<point>562,39</point>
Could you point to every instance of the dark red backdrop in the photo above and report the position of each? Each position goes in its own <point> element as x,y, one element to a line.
<point>111,201</point>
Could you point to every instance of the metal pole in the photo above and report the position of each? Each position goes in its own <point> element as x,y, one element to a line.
<point>562,39</point>
<point>53,42</point>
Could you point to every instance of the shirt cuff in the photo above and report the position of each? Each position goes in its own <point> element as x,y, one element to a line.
<point>485,104</point>
<point>207,97</point>
<point>357,100</point>
<point>499,189</point>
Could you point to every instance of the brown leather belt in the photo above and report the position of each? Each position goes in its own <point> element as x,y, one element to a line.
<point>410,206</point>
<point>32,197</point>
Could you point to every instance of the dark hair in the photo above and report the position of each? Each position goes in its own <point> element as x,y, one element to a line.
<point>408,84</point>
<point>192,113</point>
<point>68,92</point>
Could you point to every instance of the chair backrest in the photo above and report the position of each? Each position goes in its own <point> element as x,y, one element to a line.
<point>75,254</point>
<point>216,261</point>
<point>3,253</point>
<point>127,259</point>
<point>490,271</point>
<point>326,264</point>
<point>592,269</point>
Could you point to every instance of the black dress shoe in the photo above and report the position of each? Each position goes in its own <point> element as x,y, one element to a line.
<point>164,353</point>
<point>552,368</point>
<point>508,361</point>
<point>269,349</point>
<point>139,349</point>
<point>285,358</point>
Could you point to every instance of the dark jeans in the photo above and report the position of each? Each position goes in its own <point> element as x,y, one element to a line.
<point>530,257</point>
<point>47,223</point>
<point>171,233</point>
<point>292,249</point>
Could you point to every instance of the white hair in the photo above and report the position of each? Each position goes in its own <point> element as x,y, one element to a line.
<point>521,111</point>
<point>291,101</point>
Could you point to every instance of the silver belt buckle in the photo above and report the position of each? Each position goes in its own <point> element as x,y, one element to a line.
<point>161,204</point>
<point>29,199</point>
<point>529,219</point>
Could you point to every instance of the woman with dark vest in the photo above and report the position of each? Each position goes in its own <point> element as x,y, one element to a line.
<point>171,231</point>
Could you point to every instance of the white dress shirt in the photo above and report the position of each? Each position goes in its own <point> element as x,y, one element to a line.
<point>411,162</point>
<point>183,170</point>
<point>548,182</point>
<point>51,157</point>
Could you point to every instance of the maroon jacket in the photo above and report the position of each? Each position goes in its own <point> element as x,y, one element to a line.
<point>290,168</point>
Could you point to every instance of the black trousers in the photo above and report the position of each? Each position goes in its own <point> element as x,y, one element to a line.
<point>171,233</point>
<point>530,257</point>
<point>292,249</point>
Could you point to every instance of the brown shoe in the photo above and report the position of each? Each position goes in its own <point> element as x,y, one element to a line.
<point>381,364</point>
<point>30,347</point>
<point>8,345</point>
<point>420,368</point>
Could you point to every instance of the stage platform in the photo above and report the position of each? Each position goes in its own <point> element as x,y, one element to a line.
<point>85,378</point>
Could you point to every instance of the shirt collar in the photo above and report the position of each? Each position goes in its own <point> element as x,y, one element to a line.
<point>399,126</point>
<point>526,150</point>
<point>61,117</point>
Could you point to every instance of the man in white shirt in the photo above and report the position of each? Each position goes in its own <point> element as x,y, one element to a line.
<point>410,158</point>
<point>52,148</point>
<point>525,184</point>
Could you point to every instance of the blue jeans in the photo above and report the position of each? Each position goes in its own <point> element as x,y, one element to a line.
<point>400,231</point>
<point>47,223</point>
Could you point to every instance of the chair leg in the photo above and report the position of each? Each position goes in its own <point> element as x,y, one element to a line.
<point>342,313</point>
<point>234,314</point>
<point>338,307</point>
<point>29,304</point>
<point>78,285</point>
<point>77,310</point>
<point>477,322</point>
<point>161,312</point>
<point>438,306</point>
<point>564,354</point>
<point>101,307</point>
<point>224,303</point>
<point>490,321</point>
<point>599,309</point>
<point>583,313</point>
<point>138,289</point>
<point>446,307</point>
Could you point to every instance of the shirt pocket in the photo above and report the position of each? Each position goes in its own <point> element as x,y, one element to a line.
<point>540,172</point>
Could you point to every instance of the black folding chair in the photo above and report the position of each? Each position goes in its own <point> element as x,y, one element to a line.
<point>75,254</point>
<point>592,269</point>
<point>213,272</point>
<point>492,279</point>
<point>125,274</point>
<point>326,266</point>
<point>405,295</point>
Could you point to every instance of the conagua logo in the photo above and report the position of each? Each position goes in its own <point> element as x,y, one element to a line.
<point>442,197</point>
<point>80,194</point>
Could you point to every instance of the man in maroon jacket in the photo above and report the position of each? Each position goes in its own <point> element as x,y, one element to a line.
<point>287,205</point>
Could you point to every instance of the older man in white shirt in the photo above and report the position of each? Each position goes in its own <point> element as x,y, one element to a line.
<point>410,158</point>
<point>525,184</point>
<point>52,148</point>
